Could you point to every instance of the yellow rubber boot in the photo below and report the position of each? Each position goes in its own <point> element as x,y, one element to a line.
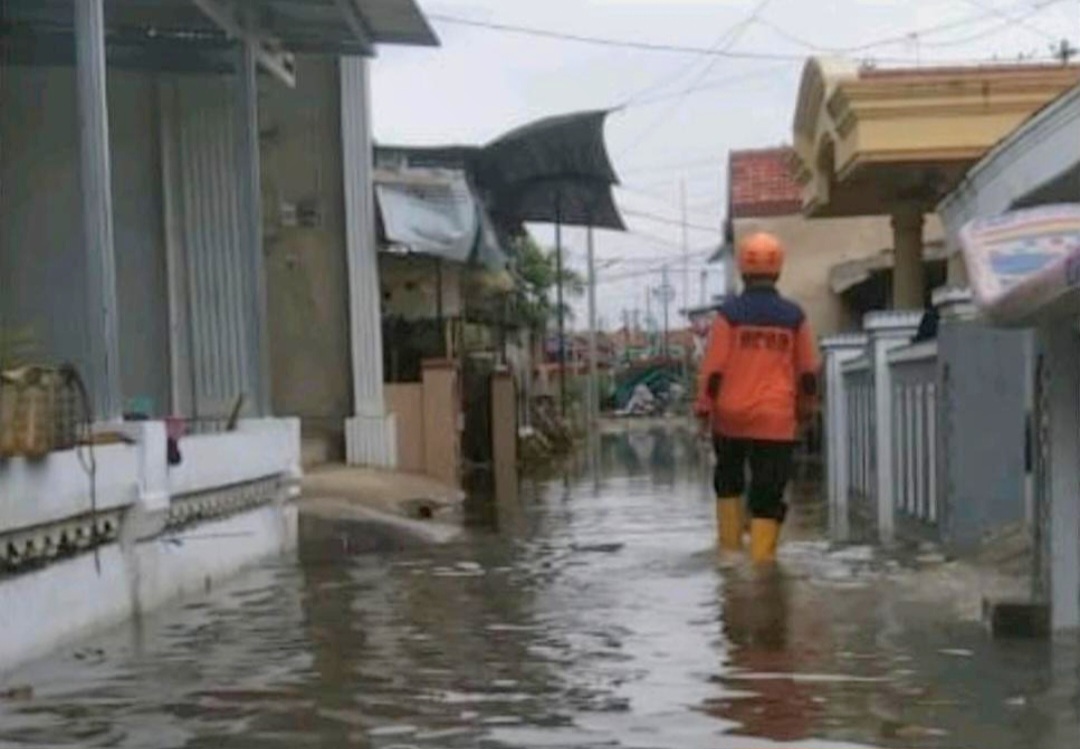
<point>729,523</point>
<point>764,536</point>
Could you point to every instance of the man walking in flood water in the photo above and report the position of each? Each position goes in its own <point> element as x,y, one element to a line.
<point>758,383</point>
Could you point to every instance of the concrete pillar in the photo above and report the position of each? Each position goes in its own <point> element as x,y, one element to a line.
<point>442,444</point>
<point>887,331</point>
<point>504,439</point>
<point>102,323</point>
<point>370,436</point>
<point>908,276</point>
<point>1061,346</point>
<point>837,351</point>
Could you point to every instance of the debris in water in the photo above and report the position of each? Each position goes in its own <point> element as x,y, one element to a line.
<point>931,558</point>
<point>390,731</point>
<point>599,548</point>
<point>20,693</point>
<point>957,652</point>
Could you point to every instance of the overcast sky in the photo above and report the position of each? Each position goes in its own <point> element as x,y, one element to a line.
<point>483,82</point>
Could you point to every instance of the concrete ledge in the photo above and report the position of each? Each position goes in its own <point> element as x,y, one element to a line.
<point>391,492</point>
<point>331,529</point>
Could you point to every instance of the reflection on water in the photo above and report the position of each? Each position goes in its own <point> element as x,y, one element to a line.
<point>597,614</point>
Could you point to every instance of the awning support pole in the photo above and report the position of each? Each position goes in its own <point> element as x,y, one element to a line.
<point>559,309</point>
<point>439,321</point>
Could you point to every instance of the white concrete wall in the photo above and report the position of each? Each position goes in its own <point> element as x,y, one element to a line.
<point>40,492</point>
<point>260,448</point>
<point>42,609</point>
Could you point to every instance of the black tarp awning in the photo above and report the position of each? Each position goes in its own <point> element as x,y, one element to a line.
<point>553,170</point>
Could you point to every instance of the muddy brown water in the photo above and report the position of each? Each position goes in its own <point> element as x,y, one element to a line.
<point>593,613</point>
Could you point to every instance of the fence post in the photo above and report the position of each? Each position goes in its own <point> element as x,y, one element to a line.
<point>838,350</point>
<point>887,330</point>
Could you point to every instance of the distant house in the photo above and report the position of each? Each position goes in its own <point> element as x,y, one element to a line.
<point>838,269</point>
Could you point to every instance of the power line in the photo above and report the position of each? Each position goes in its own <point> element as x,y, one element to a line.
<point>610,41</point>
<point>667,201</point>
<point>1021,21</point>
<point>906,37</point>
<point>724,40</point>
<point>724,44</point>
<point>709,51</point>
<point>669,221</point>
<point>695,164</point>
<point>631,274</point>
<point>715,84</point>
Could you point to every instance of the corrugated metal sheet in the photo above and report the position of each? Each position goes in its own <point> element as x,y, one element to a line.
<point>360,239</point>
<point>207,200</point>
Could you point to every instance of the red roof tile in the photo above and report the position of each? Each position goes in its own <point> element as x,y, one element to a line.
<point>762,183</point>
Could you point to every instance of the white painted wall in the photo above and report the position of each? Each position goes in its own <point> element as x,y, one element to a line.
<point>260,448</point>
<point>41,610</point>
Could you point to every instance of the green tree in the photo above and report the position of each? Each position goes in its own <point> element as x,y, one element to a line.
<point>534,304</point>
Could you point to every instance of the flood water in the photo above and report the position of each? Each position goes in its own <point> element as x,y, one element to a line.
<point>596,614</point>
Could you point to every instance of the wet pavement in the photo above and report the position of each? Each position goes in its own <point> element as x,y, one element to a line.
<point>596,614</point>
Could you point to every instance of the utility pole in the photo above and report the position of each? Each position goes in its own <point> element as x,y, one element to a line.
<point>685,246</point>
<point>1065,51</point>
<point>703,297</point>
<point>559,306</point>
<point>592,400</point>
<point>648,307</point>
<point>667,294</point>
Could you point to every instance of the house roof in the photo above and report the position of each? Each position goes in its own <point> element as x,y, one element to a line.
<point>865,137</point>
<point>159,33</point>
<point>762,183</point>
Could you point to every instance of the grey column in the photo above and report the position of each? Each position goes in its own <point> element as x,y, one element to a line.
<point>247,166</point>
<point>593,386</point>
<point>887,331</point>
<point>1062,347</point>
<point>103,340</point>
<point>838,350</point>
<point>909,277</point>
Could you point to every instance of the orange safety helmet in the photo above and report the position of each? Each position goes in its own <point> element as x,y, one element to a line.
<point>760,254</point>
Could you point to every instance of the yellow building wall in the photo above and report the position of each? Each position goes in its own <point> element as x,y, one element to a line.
<point>814,246</point>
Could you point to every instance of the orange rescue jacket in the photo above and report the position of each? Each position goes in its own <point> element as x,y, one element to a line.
<point>762,350</point>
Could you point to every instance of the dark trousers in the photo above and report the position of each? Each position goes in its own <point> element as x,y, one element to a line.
<point>770,470</point>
